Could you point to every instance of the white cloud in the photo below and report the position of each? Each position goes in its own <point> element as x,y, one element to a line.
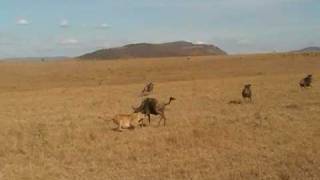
<point>64,23</point>
<point>69,41</point>
<point>23,22</point>
<point>104,26</point>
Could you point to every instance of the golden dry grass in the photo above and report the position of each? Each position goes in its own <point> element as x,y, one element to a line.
<point>50,125</point>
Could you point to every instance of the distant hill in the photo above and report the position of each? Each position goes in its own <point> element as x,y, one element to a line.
<point>309,49</point>
<point>146,50</point>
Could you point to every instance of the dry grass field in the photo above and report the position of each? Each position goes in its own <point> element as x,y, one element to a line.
<point>51,130</point>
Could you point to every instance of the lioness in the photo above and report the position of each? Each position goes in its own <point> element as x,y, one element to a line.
<point>128,121</point>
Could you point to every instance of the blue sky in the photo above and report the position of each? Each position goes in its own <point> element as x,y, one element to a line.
<point>73,27</point>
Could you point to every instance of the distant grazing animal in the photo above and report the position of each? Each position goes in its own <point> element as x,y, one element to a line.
<point>246,92</point>
<point>235,102</point>
<point>128,121</point>
<point>153,106</point>
<point>147,89</point>
<point>306,82</point>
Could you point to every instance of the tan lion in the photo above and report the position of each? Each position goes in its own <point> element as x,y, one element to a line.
<point>128,121</point>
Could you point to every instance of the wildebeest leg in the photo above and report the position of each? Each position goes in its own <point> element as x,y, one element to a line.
<point>149,118</point>
<point>160,120</point>
<point>164,120</point>
<point>142,124</point>
<point>162,116</point>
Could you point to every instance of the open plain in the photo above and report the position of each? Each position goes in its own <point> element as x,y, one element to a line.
<point>54,119</point>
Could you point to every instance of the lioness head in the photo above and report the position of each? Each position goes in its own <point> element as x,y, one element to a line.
<point>137,118</point>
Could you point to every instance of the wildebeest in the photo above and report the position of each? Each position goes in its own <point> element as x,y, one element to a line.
<point>152,106</point>
<point>306,82</point>
<point>128,121</point>
<point>246,92</point>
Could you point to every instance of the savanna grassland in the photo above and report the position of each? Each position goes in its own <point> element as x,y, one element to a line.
<point>54,119</point>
